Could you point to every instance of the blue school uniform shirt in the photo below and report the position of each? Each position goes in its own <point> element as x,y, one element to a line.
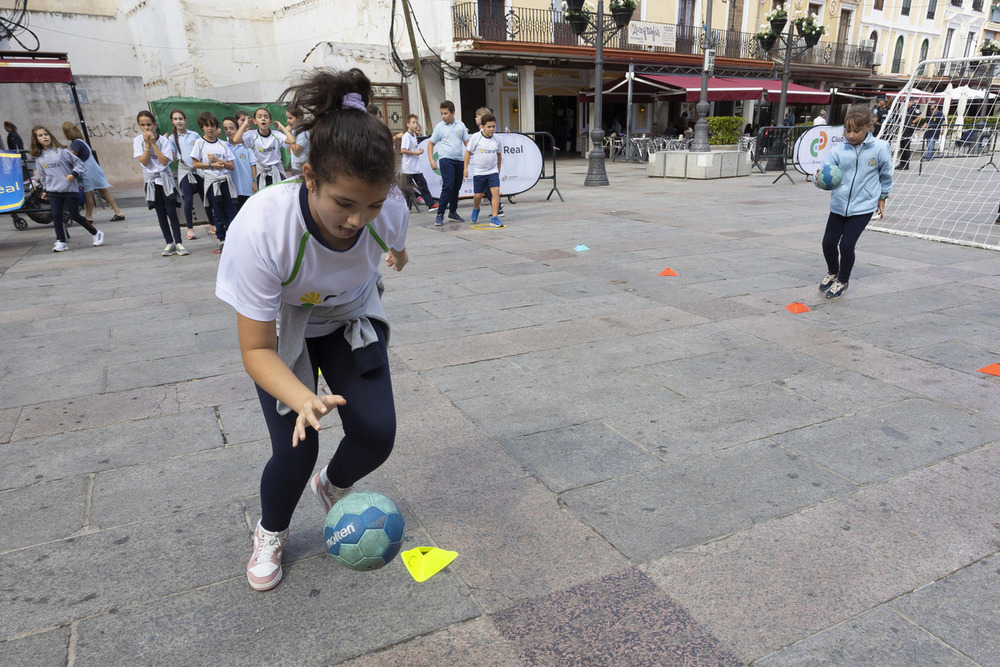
<point>867,170</point>
<point>449,140</point>
<point>241,175</point>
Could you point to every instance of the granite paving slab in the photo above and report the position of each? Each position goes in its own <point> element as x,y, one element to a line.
<point>879,638</point>
<point>648,514</point>
<point>577,456</point>
<point>42,649</point>
<point>890,440</point>
<point>43,512</point>
<point>963,610</point>
<point>621,619</point>
<point>515,542</point>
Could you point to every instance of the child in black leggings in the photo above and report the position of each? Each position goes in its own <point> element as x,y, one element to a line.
<point>306,253</point>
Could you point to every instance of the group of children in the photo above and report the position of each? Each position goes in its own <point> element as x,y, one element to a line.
<point>224,173</point>
<point>479,155</point>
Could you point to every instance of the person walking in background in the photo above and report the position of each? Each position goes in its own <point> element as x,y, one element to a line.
<point>910,122</point>
<point>932,130</point>
<point>409,164</point>
<point>14,141</point>
<point>93,176</point>
<point>878,113</point>
<point>820,118</point>
<point>866,164</point>
<point>155,154</point>
<point>59,171</point>
<point>449,138</point>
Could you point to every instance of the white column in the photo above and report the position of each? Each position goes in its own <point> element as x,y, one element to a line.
<point>453,91</point>
<point>526,97</point>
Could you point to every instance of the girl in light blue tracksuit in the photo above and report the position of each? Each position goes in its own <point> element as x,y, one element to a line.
<point>866,163</point>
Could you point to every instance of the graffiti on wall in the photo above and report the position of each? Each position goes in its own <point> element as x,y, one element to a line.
<point>102,129</point>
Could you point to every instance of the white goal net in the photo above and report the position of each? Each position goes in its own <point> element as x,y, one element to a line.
<point>946,183</point>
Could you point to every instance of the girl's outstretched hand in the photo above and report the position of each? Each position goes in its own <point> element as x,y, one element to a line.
<point>396,259</point>
<point>312,412</point>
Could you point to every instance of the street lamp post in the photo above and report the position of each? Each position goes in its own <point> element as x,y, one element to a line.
<point>699,142</point>
<point>596,172</point>
<point>777,159</point>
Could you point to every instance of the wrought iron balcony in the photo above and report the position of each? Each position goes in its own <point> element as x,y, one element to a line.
<point>488,21</point>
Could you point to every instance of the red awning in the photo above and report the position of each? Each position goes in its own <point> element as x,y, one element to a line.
<point>727,89</point>
<point>720,89</point>
<point>34,68</point>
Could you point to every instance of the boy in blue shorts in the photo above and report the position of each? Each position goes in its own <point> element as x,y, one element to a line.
<point>482,160</point>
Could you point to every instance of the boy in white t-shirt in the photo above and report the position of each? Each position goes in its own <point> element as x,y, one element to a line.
<point>217,162</point>
<point>410,163</point>
<point>482,160</point>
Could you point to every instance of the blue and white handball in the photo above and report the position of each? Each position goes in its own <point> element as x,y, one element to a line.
<point>364,530</point>
<point>828,177</point>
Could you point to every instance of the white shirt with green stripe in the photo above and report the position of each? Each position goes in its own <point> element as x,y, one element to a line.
<point>273,255</point>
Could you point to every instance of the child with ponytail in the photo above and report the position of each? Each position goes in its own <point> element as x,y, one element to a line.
<point>306,253</point>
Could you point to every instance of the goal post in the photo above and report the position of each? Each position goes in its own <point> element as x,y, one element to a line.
<point>946,181</point>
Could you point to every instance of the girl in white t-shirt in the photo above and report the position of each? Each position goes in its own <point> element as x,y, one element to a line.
<point>306,253</point>
<point>155,155</point>
<point>189,180</point>
<point>266,147</point>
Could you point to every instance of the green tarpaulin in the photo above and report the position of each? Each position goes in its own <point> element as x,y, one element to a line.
<point>192,106</point>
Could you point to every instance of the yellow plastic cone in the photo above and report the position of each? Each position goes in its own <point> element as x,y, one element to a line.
<point>424,562</point>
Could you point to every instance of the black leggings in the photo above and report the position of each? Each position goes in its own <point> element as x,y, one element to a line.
<point>166,215</point>
<point>188,191</point>
<point>368,418</point>
<point>844,231</point>
<point>70,203</point>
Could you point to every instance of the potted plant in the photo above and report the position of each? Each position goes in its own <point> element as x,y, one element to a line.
<point>810,28</point>
<point>778,17</point>
<point>578,18</point>
<point>622,10</point>
<point>766,37</point>
<point>990,48</point>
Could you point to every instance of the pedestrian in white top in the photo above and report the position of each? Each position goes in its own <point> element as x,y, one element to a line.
<point>155,155</point>
<point>820,118</point>
<point>217,163</point>
<point>266,146</point>
<point>306,253</point>
<point>482,161</point>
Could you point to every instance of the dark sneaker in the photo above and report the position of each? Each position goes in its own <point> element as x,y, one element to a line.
<point>500,214</point>
<point>456,217</point>
<point>439,221</point>
<point>830,279</point>
<point>475,214</point>
<point>836,290</point>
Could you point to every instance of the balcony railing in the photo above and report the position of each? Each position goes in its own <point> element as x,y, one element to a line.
<point>487,21</point>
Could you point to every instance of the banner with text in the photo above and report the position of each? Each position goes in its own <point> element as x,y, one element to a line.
<point>812,146</point>
<point>652,34</point>
<point>520,166</point>
<point>11,182</point>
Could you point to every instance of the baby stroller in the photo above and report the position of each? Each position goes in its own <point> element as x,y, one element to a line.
<point>34,207</point>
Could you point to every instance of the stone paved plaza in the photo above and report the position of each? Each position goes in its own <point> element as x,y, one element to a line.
<point>635,469</point>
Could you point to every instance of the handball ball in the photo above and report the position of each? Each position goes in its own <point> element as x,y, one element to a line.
<point>364,531</point>
<point>828,177</point>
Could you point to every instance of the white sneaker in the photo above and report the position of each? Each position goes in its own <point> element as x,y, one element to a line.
<point>60,246</point>
<point>264,568</point>
<point>325,492</point>
<point>99,238</point>
<point>169,250</point>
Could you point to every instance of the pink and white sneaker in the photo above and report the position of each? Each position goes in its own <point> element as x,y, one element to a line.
<point>325,492</point>
<point>264,568</point>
